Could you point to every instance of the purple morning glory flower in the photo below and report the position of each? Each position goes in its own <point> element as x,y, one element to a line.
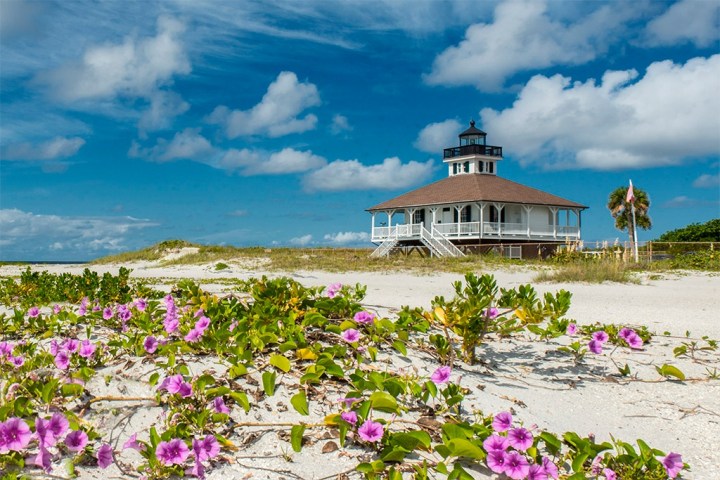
<point>133,443</point>
<point>108,313</point>
<point>609,474</point>
<point>14,434</point>
<point>441,375</point>
<point>492,312</point>
<point>58,425</point>
<point>595,347</point>
<point>364,317</point>
<point>502,422</point>
<point>571,329</point>
<point>495,442</point>
<point>56,309</point>
<point>520,438</point>
<point>17,361</point>
<point>371,431</point>
<point>173,452</point>
<point>150,344</point>
<point>219,405</point>
<point>634,341</point>
<point>496,461</point>
<point>536,472</point>
<point>206,448</point>
<point>624,332</point>
<point>104,456</point>
<point>550,467</point>
<point>333,289</point>
<point>76,440</point>
<point>600,336</point>
<point>350,417</point>
<point>673,464</point>
<point>141,304</point>
<point>87,349</point>
<point>62,360</point>
<point>33,312</point>
<point>350,335</point>
<point>202,324</point>
<point>193,335</point>
<point>516,466</point>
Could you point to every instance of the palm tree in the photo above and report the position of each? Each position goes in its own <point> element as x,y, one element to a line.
<point>621,210</point>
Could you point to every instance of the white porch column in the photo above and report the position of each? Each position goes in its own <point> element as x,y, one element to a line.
<point>528,209</point>
<point>554,210</point>
<point>390,214</point>
<point>372,223</point>
<point>481,206</point>
<point>578,212</point>
<point>410,212</point>
<point>433,212</point>
<point>499,208</point>
<point>458,209</point>
<point>567,222</point>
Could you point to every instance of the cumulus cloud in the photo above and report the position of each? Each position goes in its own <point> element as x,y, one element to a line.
<point>58,147</point>
<point>135,68</point>
<point>164,107</point>
<point>340,124</point>
<point>254,162</point>
<point>707,181</point>
<point>347,238</point>
<point>391,174</point>
<point>301,241</point>
<point>686,21</point>
<point>277,114</point>
<point>524,37</point>
<point>663,118</point>
<point>29,236</point>
<point>188,144</point>
<point>437,136</point>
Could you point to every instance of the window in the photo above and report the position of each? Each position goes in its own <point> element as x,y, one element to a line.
<point>466,214</point>
<point>491,167</point>
<point>466,167</point>
<point>480,166</point>
<point>418,216</point>
<point>455,168</point>
<point>494,214</point>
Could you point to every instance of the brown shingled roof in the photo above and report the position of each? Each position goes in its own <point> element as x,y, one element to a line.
<point>474,187</point>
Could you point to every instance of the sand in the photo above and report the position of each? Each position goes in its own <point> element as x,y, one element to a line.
<point>523,374</point>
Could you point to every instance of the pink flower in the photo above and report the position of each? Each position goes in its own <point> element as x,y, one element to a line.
<point>173,452</point>
<point>595,347</point>
<point>333,289</point>
<point>6,349</point>
<point>71,345</point>
<point>520,438</point>
<point>371,431</point>
<point>104,455</point>
<point>350,335</point>
<point>17,361</point>
<point>87,349</point>
<point>58,425</point>
<point>150,344</point>
<point>441,375</point>
<point>176,384</point>
<point>634,341</point>
<point>62,360</point>
<point>571,329</point>
<point>108,313</point>
<point>496,460</point>
<point>171,324</point>
<point>33,312</point>
<point>492,312</point>
<point>609,474</point>
<point>350,417</point>
<point>134,444</point>
<point>219,405</point>
<point>202,324</point>
<point>600,336</point>
<point>42,432</point>
<point>141,304</point>
<point>364,317</point>
<point>550,468</point>
<point>537,472</point>
<point>673,464</point>
<point>624,332</point>
<point>56,309</point>
<point>502,422</point>
<point>495,442</point>
<point>43,459</point>
<point>193,335</point>
<point>206,448</point>
<point>14,435</point>
<point>516,466</point>
<point>76,440</point>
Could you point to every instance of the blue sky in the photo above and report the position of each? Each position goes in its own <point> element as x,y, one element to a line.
<point>279,123</point>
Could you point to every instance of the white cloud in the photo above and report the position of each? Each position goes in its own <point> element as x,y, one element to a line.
<point>392,174</point>
<point>663,118</point>
<point>58,147</point>
<point>707,181</point>
<point>188,144</point>
<point>238,213</point>
<point>255,162</point>
<point>683,201</point>
<point>134,68</point>
<point>27,236</point>
<point>433,138</point>
<point>278,112</point>
<point>301,241</point>
<point>340,124</point>
<point>347,238</point>
<point>164,107</point>
<point>524,37</point>
<point>686,21</point>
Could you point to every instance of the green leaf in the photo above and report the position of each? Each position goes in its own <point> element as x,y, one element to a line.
<point>268,380</point>
<point>579,461</point>
<point>400,347</point>
<point>460,447</point>
<point>670,371</point>
<point>411,440</point>
<point>552,443</point>
<point>384,402</point>
<point>71,390</point>
<point>242,399</point>
<point>154,379</point>
<point>299,401</point>
<point>296,434</point>
<point>394,454</point>
<point>281,362</point>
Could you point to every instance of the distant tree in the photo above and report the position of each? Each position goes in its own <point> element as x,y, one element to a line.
<point>621,210</point>
<point>695,232</point>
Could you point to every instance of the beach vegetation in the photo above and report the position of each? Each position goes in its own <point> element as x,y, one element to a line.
<point>621,210</point>
<point>695,232</point>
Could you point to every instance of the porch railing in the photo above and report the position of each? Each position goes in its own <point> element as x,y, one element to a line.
<point>472,230</point>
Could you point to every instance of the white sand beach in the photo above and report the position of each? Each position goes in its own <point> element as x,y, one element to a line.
<point>522,374</point>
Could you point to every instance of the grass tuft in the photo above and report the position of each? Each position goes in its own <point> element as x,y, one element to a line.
<point>588,271</point>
